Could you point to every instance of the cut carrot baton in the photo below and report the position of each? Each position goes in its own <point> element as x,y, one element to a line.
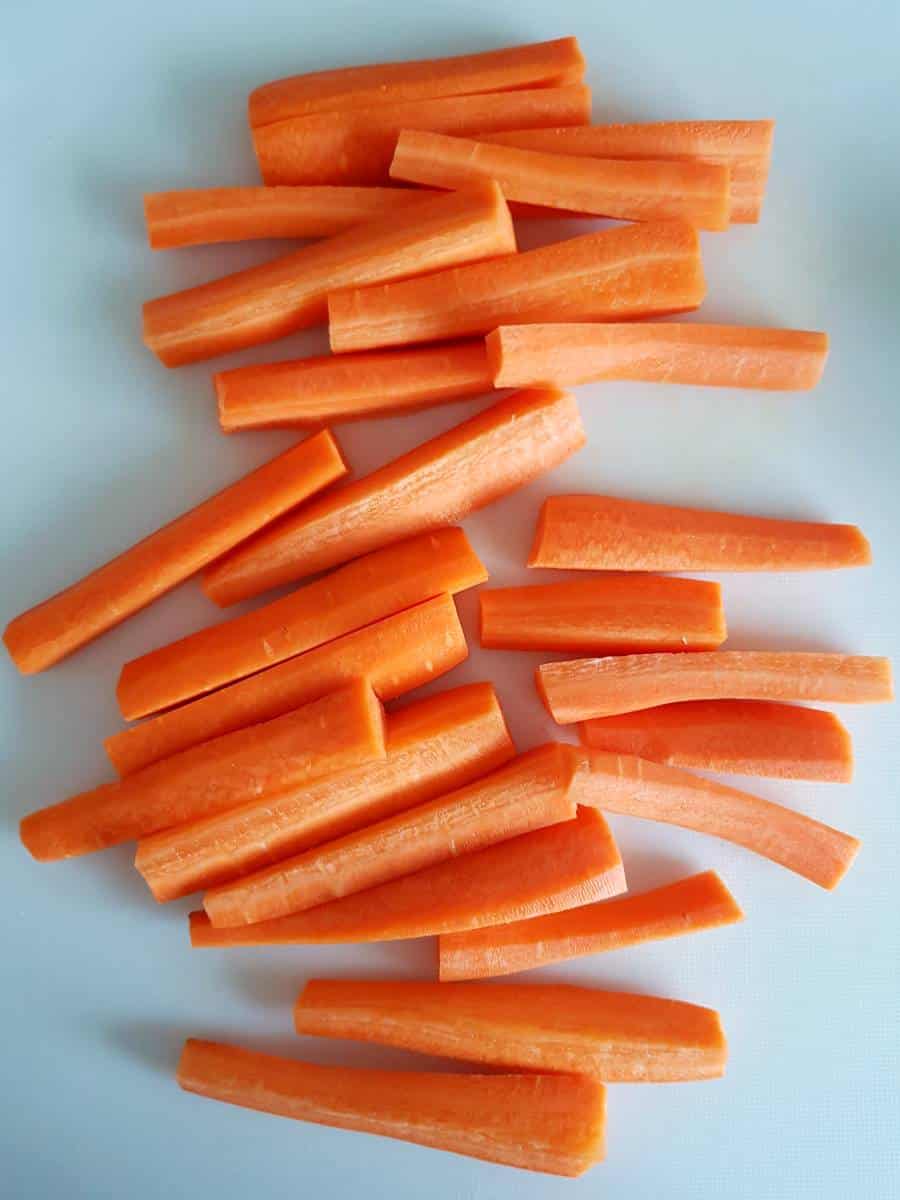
<point>69,620</point>
<point>549,1123</point>
<point>631,271</point>
<point>290,293</point>
<point>437,483</point>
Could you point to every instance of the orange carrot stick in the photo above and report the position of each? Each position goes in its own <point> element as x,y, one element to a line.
<point>616,1036</point>
<point>549,1123</point>
<point>396,655</point>
<point>342,730</point>
<point>69,620</point>
<point>358,594</point>
<point>264,303</point>
<point>618,274</point>
<point>438,744</point>
<point>437,483</point>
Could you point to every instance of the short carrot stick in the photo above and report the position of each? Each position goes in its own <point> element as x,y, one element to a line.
<point>69,620</point>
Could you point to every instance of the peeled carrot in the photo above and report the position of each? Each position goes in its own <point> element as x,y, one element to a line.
<point>560,867</point>
<point>623,273</point>
<point>437,483</point>
<point>396,655</point>
<point>431,747</point>
<point>550,1123</point>
<point>620,614</point>
<point>69,620</point>
<point>743,737</point>
<point>348,387</point>
<point>342,730</point>
<point>358,594</point>
<point>618,1037</point>
<point>289,293</point>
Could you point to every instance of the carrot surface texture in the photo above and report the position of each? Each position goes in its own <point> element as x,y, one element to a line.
<point>549,1123</point>
<point>69,620</point>
<point>616,1036</point>
<point>341,730</point>
<point>264,303</point>
<point>364,591</point>
<point>437,483</point>
<point>618,274</point>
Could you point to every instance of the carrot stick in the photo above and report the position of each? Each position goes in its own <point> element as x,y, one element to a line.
<point>620,614</point>
<point>618,274</point>
<point>687,906</point>
<point>439,482</point>
<point>742,737</point>
<point>264,303</point>
<point>342,730</point>
<point>549,1123</point>
<point>528,793</point>
<point>436,745</point>
<point>560,867</point>
<point>69,620</point>
<point>349,387</point>
<point>355,147</point>
<point>606,533</point>
<point>623,784</point>
<point>601,687</point>
<point>773,360</point>
<point>618,1037</point>
<point>364,591</point>
<point>396,655</point>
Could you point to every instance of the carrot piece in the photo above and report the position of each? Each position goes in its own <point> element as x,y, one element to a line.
<point>620,614</point>
<point>264,303</point>
<point>528,793</point>
<point>355,146</point>
<point>441,743</point>
<point>619,1037</point>
<point>606,533</point>
<point>743,737</point>
<point>549,1123</point>
<point>601,687</point>
<point>560,867</point>
<point>396,654</point>
<point>358,594</point>
<point>330,735</point>
<point>349,387</point>
<point>441,481</point>
<point>618,274</point>
<point>624,784</point>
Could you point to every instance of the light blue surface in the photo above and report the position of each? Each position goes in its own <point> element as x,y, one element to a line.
<point>101,101</point>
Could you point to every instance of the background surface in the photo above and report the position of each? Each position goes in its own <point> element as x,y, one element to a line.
<point>101,102</point>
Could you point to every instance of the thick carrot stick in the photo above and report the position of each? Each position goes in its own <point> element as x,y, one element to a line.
<point>349,387</point>
<point>69,620</point>
<point>342,730</point>
<point>624,784</point>
<point>742,737</point>
<point>618,274</point>
<point>264,303</point>
<point>620,614</point>
<point>355,147</point>
<point>601,687</point>
<point>396,654</point>
<point>528,793</point>
<point>619,1037</point>
<point>610,534</point>
<point>431,747</point>
<point>686,906</point>
<point>549,1123</point>
<point>364,591</point>
<point>552,869</point>
<point>439,482</point>
<point>773,360</point>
